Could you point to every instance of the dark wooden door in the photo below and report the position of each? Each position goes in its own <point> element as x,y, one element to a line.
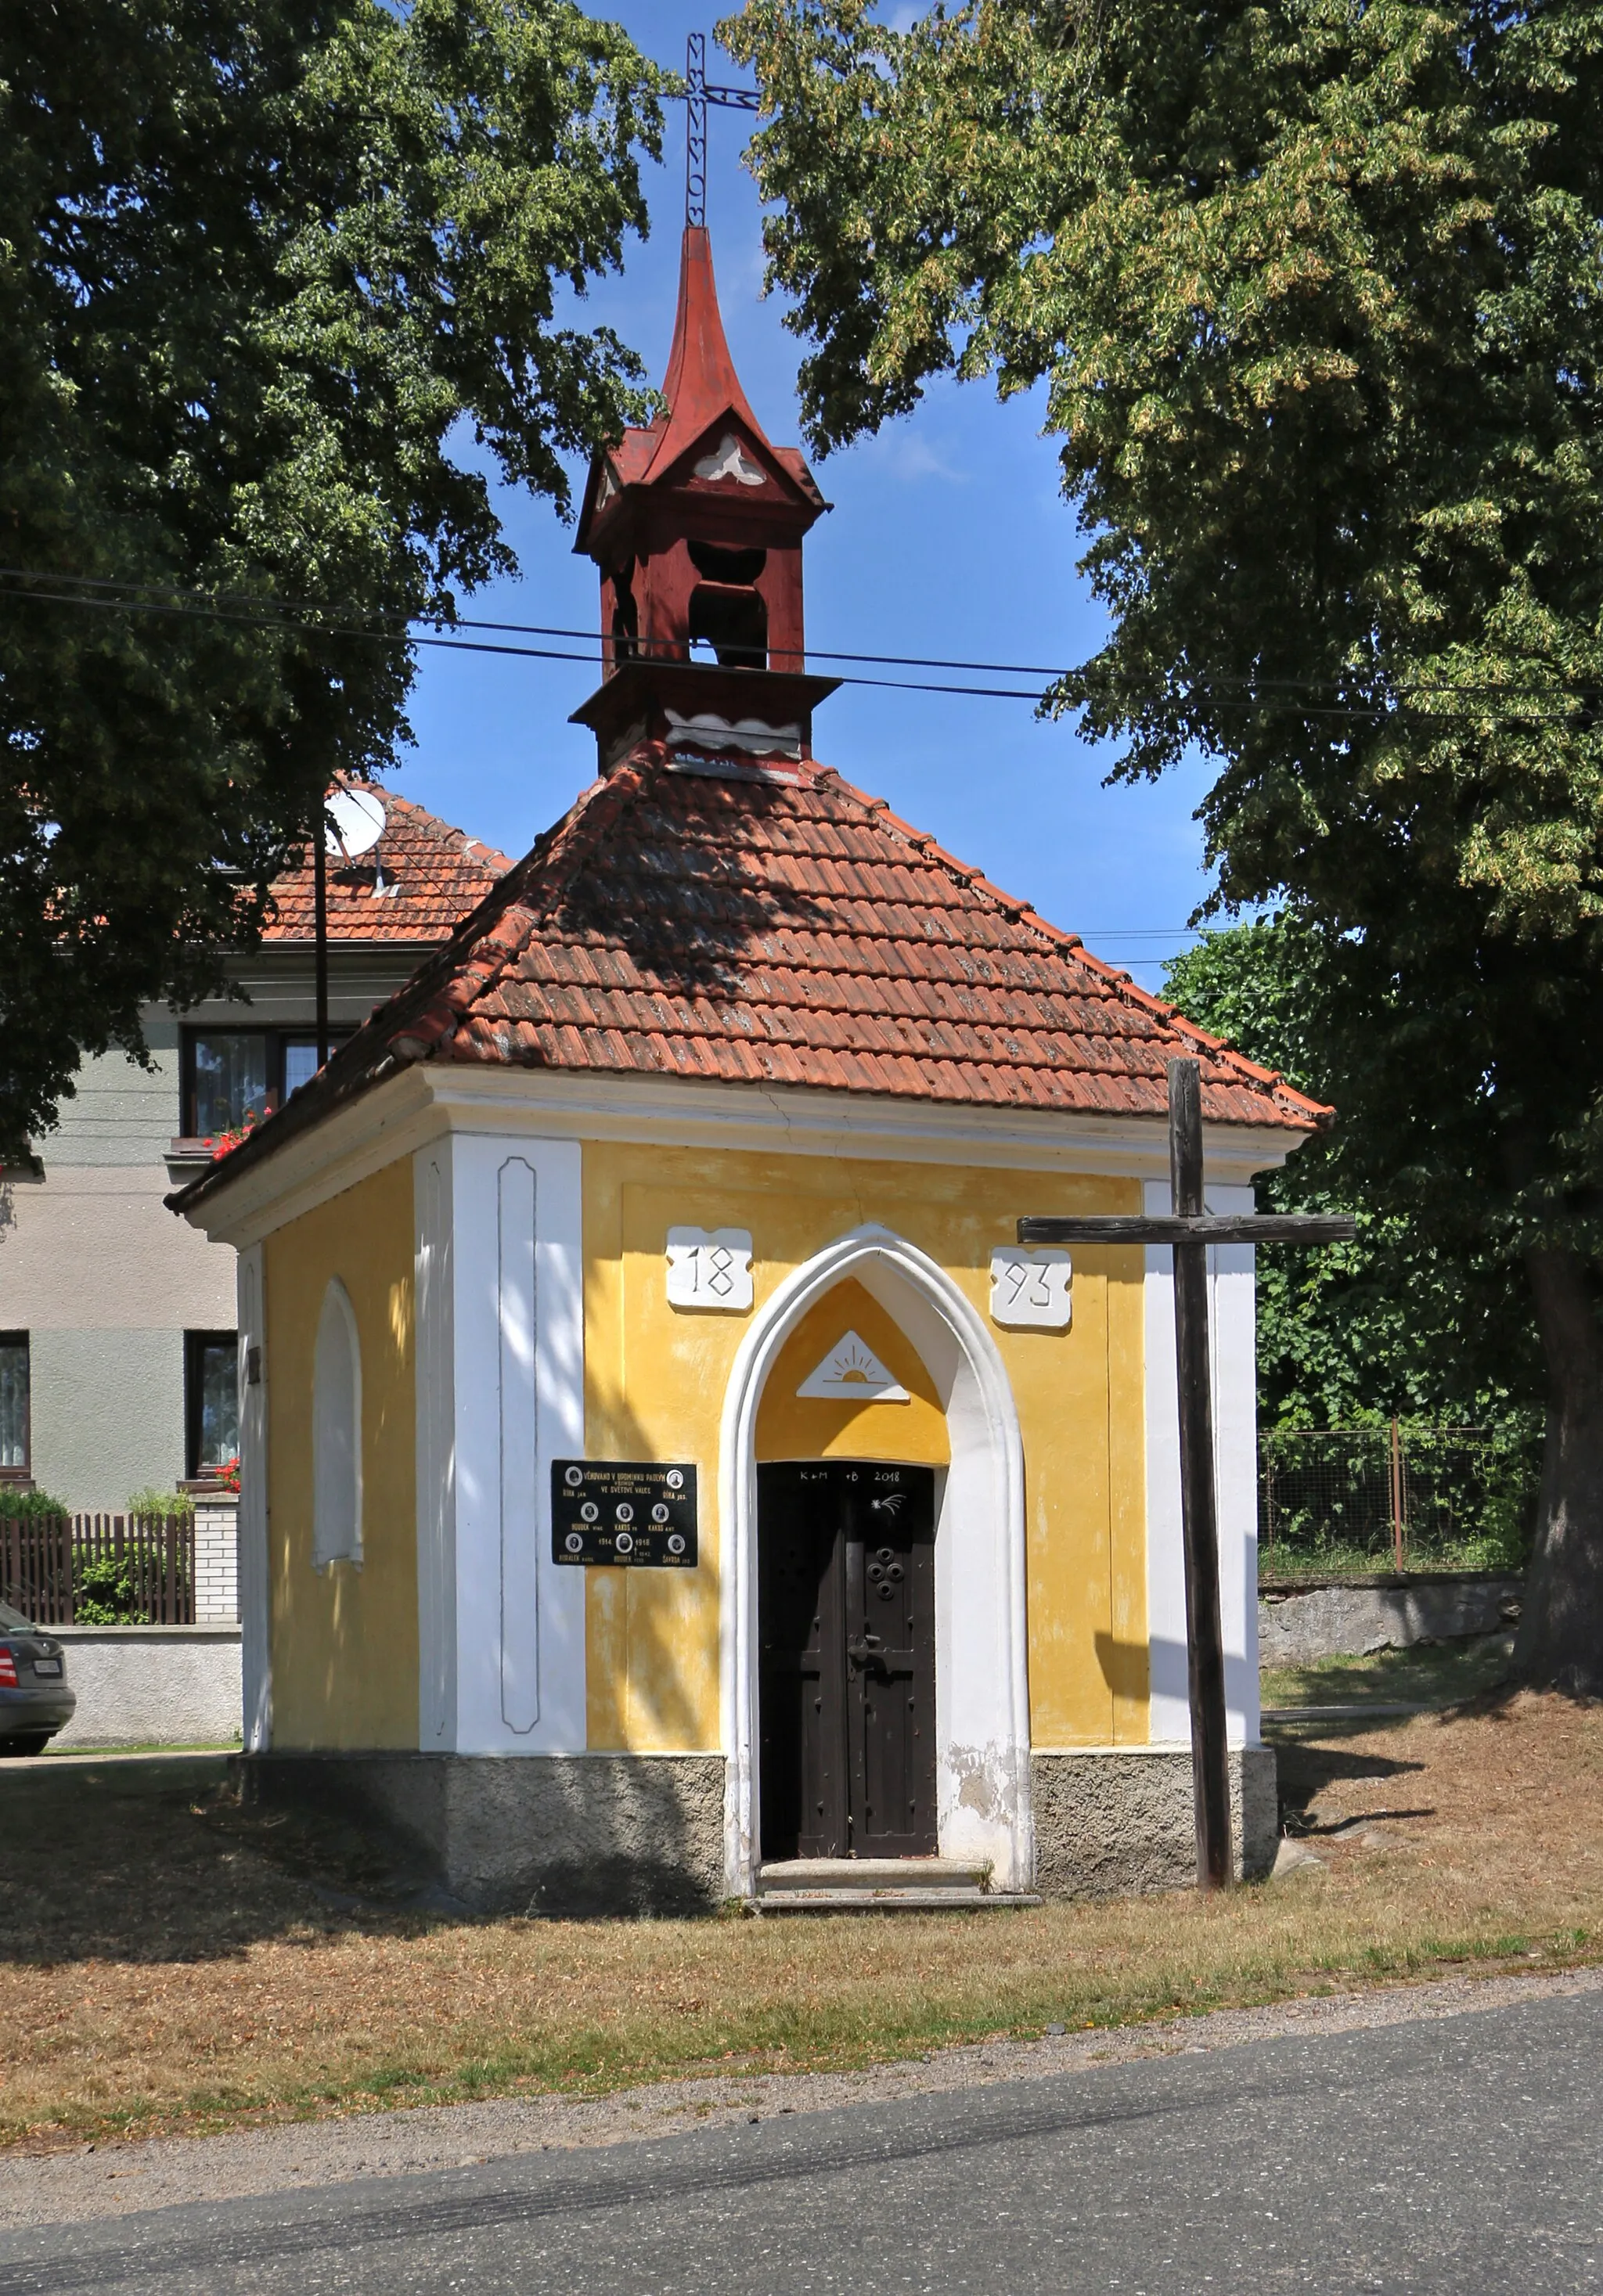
<point>846,1632</point>
<point>801,1636</point>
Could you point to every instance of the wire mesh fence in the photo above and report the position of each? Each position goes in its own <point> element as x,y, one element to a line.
<point>99,1570</point>
<point>1407,1495</point>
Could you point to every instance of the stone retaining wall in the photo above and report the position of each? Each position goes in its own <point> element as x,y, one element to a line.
<point>152,1686</point>
<point>1349,1617</point>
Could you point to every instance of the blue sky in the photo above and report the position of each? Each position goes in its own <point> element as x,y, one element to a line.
<point>949,536</point>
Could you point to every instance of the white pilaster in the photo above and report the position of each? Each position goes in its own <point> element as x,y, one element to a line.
<point>1233,1331</point>
<point>1233,1318</point>
<point>255,1594</point>
<point>434,1265</point>
<point>516,1348</point>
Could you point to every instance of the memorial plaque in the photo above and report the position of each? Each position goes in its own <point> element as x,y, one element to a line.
<point>630,1514</point>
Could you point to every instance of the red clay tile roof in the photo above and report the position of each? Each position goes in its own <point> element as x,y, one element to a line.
<point>415,885</point>
<point>742,927</point>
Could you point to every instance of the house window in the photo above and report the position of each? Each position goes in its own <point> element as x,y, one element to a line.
<point>234,1077</point>
<point>336,1433</point>
<point>210,1400</point>
<point>13,1406</point>
<point>299,1062</point>
<point>228,1081</point>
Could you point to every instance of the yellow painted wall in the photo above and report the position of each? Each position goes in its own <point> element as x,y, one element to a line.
<point>344,1641</point>
<point>655,1378</point>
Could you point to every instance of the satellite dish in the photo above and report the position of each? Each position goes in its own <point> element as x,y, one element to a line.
<point>355,823</point>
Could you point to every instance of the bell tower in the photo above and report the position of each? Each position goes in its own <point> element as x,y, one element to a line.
<point>696,525</point>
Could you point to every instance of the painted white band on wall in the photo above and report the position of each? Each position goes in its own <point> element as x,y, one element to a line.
<point>254,1579</point>
<point>500,1368</point>
<point>1232,1323</point>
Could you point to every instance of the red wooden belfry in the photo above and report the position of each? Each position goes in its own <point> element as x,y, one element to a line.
<point>1190,1230</point>
<point>696,524</point>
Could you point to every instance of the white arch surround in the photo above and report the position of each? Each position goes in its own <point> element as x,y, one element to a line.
<point>982,1661</point>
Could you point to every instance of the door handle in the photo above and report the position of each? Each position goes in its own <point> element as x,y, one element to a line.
<point>865,1649</point>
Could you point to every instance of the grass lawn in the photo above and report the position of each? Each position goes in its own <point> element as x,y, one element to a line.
<point>1426,1674</point>
<point>169,1960</point>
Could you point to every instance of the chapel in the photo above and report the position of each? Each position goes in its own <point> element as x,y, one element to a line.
<point>665,1480</point>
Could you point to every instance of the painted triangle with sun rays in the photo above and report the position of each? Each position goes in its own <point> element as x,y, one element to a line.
<point>851,1370</point>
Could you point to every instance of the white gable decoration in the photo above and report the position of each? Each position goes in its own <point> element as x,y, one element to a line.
<point>729,462</point>
<point>852,1369</point>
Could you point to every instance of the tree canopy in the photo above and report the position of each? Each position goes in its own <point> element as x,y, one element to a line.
<point>268,270</point>
<point>1314,292</point>
<point>1413,1319</point>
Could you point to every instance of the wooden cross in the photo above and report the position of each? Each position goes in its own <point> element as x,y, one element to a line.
<point>1191,1230</point>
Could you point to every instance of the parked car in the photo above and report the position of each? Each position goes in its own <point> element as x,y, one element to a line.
<point>35,1701</point>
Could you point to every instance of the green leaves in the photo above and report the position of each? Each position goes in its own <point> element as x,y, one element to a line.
<point>263,266</point>
<point>1314,289</point>
<point>1425,1314</point>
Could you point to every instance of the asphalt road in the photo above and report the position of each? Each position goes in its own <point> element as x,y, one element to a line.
<point>1453,2157</point>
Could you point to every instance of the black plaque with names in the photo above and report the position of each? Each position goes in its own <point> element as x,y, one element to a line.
<point>630,1514</point>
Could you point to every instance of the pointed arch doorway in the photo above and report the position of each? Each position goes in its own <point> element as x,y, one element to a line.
<point>850,1439</point>
<point>963,1597</point>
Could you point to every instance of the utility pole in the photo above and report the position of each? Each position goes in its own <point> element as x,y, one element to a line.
<point>320,933</point>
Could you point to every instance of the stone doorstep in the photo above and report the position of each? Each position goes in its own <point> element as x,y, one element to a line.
<point>871,1874</point>
<point>866,1885</point>
<point>912,1900</point>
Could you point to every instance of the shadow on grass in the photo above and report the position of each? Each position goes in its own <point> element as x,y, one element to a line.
<point>1435,1674</point>
<point>159,1860</point>
<point>1305,1769</point>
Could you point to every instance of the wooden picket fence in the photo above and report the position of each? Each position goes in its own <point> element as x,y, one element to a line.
<point>142,1564</point>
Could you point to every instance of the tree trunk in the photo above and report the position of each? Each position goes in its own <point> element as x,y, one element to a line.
<point>1560,1646</point>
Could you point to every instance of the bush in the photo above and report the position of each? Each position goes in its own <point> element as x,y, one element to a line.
<point>103,1592</point>
<point>25,1506</point>
<point>158,1503</point>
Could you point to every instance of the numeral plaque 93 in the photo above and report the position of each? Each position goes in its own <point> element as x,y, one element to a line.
<point>1031,1288</point>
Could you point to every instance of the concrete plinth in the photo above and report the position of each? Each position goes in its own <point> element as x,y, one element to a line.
<point>638,1833</point>
<point>1115,1820</point>
<point>575,1833</point>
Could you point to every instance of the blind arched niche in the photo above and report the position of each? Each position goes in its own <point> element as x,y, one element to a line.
<point>336,1432</point>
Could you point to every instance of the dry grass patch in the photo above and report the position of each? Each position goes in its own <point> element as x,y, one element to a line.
<point>171,1962</point>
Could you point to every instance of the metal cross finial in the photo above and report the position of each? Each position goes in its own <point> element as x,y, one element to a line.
<point>698,96</point>
<point>695,146</point>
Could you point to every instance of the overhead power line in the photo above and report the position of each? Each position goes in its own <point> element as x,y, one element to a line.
<point>93,591</point>
<point>222,603</point>
<point>409,636</point>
